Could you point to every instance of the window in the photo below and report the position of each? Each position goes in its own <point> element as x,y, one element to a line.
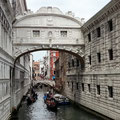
<point>68,84</point>
<point>82,86</point>
<point>98,32</point>
<point>110,25</point>
<point>69,64</point>
<point>73,63</point>
<point>54,54</point>
<point>98,89</point>
<point>99,57</point>
<point>110,90</point>
<point>63,33</point>
<point>110,51</point>
<point>54,59</point>
<point>53,65</point>
<point>89,37</point>
<point>77,62</point>
<point>72,86</point>
<point>36,33</point>
<point>89,57</point>
<point>77,87</point>
<point>88,87</point>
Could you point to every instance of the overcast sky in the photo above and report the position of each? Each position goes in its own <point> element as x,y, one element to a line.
<point>81,8</point>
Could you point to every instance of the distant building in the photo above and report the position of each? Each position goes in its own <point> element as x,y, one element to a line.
<point>36,67</point>
<point>54,55</point>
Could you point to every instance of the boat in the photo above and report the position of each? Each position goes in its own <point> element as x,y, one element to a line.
<point>51,104</point>
<point>61,100</point>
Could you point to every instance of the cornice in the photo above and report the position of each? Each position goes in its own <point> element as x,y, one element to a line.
<point>109,9</point>
<point>47,27</point>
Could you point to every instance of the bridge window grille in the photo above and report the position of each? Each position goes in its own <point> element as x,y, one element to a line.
<point>110,51</point>
<point>89,37</point>
<point>98,89</point>
<point>98,32</point>
<point>110,90</point>
<point>63,33</point>
<point>99,57</point>
<point>82,86</point>
<point>36,33</point>
<point>110,25</point>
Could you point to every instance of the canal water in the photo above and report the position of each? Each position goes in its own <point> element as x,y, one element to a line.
<point>39,111</point>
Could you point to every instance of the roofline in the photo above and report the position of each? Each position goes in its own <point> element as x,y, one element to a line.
<point>100,15</point>
<point>47,14</point>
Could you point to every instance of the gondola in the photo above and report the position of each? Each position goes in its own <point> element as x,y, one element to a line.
<point>51,104</point>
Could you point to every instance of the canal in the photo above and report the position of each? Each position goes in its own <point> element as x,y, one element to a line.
<point>39,111</point>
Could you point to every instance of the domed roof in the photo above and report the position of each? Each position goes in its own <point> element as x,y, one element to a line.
<point>49,9</point>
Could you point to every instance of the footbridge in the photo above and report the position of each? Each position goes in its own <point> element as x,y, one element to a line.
<point>45,82</point>
<point>48,29</point>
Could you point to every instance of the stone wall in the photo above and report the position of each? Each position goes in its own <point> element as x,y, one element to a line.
<point>98,86</point>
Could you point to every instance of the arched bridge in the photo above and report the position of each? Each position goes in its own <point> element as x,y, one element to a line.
<point>48,29</point>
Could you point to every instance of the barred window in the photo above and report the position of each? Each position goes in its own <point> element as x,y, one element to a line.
<point>110,51</point>
<point>77,86</point>
<point>110,90</point>
<point>36,33</point>
<point>98,89</point>
<point>89,37</point>
<point>110,25</point>
<point>63,33</point>
<point>99,57</point>
<point>89,88</point>
<point>89,57</point>
<point>98,32</point>
<point>82,86</point>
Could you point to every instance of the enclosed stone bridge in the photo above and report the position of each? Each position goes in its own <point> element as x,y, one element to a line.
<point>48,29</point>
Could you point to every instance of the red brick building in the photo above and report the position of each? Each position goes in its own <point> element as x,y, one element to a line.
<point>54,55</point>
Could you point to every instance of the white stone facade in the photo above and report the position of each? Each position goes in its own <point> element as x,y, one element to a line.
<point>99,84</point>
<point>10,90</point>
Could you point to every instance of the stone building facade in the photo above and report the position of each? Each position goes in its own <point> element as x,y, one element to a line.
<point>97,86</point>
<point>12,88</point>
<point>60,72</point>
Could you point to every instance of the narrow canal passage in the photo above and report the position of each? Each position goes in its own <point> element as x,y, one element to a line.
<point>39,111</point>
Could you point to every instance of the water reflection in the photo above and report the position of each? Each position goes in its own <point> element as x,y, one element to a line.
<point>39,111</point>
